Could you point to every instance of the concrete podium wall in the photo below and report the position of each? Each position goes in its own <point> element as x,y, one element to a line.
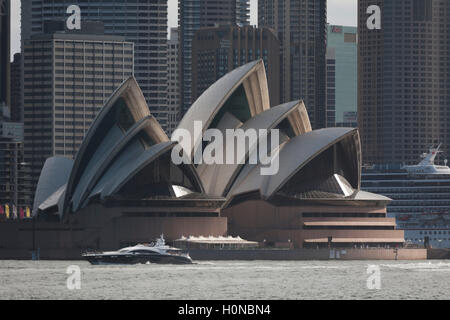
<point>99,228</point>
<point>258,220</point>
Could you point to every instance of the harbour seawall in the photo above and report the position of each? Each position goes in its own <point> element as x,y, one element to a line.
<point>247,255</point>
<point>310,254</point>
<point>438,254</point>
<point>111,231</point>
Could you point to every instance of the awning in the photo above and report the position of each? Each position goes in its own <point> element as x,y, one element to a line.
<point>351,223</point>
<point>217,240</point>
<point>357,240</point>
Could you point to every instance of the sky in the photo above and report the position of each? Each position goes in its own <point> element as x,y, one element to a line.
<point>340,12</point>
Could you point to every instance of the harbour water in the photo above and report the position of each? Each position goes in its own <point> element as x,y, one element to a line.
<point>227,280</point>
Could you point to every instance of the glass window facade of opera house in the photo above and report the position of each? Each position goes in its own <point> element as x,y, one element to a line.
<point>123,186</point>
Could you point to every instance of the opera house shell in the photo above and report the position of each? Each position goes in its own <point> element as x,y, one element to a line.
<point>123,188</point>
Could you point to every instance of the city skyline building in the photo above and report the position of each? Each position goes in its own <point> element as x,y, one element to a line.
<point>217,51</point>
<point>331,87</point>
<point>404,80</point>
<point>14,171</point>
<point>301,26</point>
<point>68,76</point>
<point>173,85</point>
<point>342,76</point>
<point>16,89</point>
<point>143,22</point>
<point>5,45</point>
<point>196,14</point>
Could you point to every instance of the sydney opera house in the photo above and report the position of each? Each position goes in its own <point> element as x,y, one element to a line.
<point>123,187</point>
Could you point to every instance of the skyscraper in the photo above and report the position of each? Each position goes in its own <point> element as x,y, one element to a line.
<point>242,12</point>
<point>68,77</point>
<point>301,29</point>
<point>404,80</point>
<point>217,51</point>
<point>331,87</point>
<point>143,22</point>
<point>173,85</point>
<point>16,89</point>
<point>5,35</point>
<point>342,75</point>
<point>196,14</point>
<point>14,172</point>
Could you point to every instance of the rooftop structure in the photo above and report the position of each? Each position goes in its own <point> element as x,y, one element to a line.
<point>222,243</point>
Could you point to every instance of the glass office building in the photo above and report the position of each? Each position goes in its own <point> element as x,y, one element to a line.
<point>342,76</point>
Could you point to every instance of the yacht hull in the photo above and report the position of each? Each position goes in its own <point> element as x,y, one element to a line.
<point>99,259</point>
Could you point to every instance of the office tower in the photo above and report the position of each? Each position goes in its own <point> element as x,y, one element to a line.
<point>342,76</point>
<point>404,80</point>
<point>16,89</point>
<point>14,172</point>
<point>143,22</point>
<point>331,87</point>
<point>196,14</point>
<point>11,154</point>
<point>242,12</point>
<point>218,50</point>
<point>173,85</point>
<point>68,77</point>
<point>301,29</point>
<point>5,35</point>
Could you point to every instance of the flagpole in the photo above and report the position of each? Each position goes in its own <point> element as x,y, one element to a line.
<point>16,178</point>
<point>34,234</point>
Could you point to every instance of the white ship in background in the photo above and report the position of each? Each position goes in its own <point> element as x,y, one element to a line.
<point>421,198</point>
<point>427,166</point>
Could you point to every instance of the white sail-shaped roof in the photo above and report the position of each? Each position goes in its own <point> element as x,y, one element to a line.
<point>126,155</point>
<point>227,172</point>
<point>129,169</point>
<point>251,76</point>
<point>293,156</point>
<point>105,154</point>
<point>54,175</point>
<point>55,200</point>
<point>122,111</point>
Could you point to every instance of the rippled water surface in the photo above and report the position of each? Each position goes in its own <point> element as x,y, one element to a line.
<point>227,280</point>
